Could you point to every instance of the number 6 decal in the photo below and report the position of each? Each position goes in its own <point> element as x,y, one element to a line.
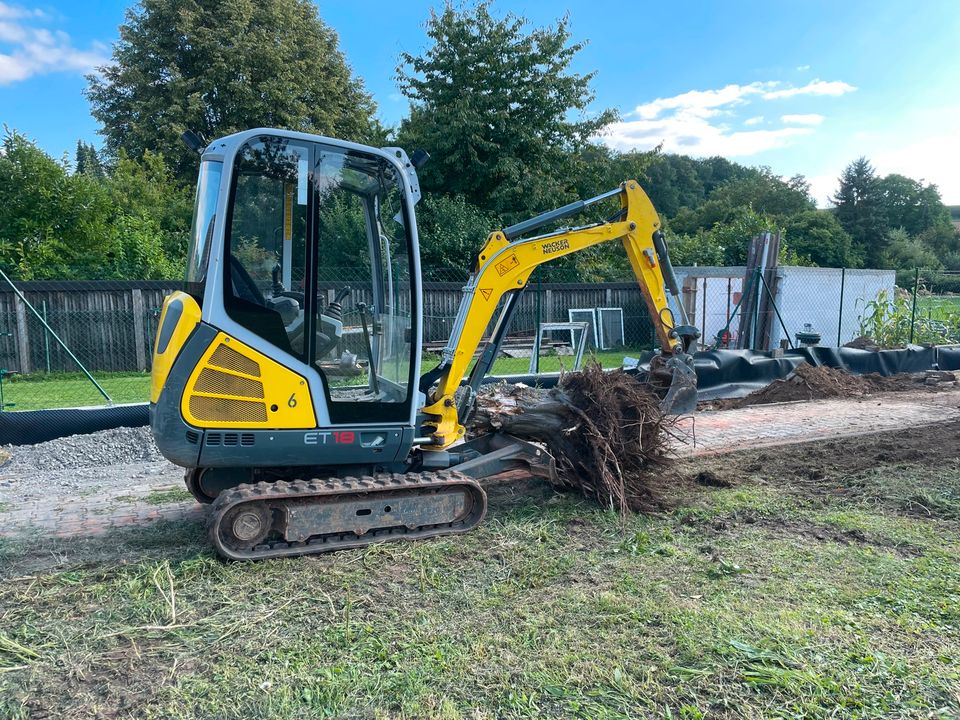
<point>292,402</point>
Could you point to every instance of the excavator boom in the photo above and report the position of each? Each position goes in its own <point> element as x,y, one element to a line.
<point>503,268</point>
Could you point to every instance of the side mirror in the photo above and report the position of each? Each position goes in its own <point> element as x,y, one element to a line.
<point>419,158</point>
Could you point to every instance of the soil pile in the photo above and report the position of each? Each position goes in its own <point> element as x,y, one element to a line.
<point>863,343</point>
<point>807,382</point>
<point>604,429</point>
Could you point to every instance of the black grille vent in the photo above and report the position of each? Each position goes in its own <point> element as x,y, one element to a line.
<point>230,439</point>
<point>193,437</point>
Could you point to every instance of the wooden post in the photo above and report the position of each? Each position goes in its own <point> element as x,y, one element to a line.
<point>138,333</point>
<point>548,303</point>
<point>23,342</point>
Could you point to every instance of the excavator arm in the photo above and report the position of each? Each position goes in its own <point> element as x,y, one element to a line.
<point>504,266</point>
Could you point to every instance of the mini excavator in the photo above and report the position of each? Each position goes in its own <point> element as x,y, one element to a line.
<point>293,396</point>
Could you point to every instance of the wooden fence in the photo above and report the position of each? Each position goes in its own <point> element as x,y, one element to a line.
<point>110,325</point>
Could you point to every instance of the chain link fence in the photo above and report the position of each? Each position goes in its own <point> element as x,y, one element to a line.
<point>88,343</point>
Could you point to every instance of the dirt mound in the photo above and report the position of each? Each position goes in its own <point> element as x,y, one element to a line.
<point>604,429</point>
<point>863,343</point>
<point>807,382</point>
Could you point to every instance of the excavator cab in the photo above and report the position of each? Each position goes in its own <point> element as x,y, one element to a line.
<point>295,341</point>
<point>286,375</point>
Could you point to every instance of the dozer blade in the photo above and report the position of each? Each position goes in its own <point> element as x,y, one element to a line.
<point>681,397</point>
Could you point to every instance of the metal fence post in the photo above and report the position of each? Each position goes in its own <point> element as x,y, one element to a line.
<point>536,329</point>
<point>913,310</point>
<point>843,280</point>
<point>756,310</point>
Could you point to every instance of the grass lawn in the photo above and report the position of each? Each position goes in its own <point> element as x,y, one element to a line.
<point>75,390</point>
<point>791,594</point>
<point>937,307</point>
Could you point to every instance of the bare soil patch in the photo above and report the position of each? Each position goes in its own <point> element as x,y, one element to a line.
<point>824,468</point>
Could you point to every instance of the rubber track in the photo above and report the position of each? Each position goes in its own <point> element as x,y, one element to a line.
<point>281,490</point>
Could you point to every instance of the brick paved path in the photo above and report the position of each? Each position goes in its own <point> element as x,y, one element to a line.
<point>714,432</point>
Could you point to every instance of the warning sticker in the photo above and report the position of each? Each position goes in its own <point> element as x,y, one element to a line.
<point>486,292</point>
<point>505,266</point>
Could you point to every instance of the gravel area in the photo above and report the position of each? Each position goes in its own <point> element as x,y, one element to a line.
<point>108,447</point>
<point>109,461</point>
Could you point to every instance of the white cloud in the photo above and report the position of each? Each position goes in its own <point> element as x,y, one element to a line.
<point>27,49</point>
<point>832,88</point>
<point>701,102</point>
<point>803,68</point>
<point>808,119</point>
<point>695,122</point>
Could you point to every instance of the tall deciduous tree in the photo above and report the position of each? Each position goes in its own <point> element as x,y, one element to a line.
<point>911,205</point>
<point>219,67</point>
<point>860,211</point>
<point>499,109</point>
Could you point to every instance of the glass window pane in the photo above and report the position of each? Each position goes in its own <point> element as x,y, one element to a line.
<point>266,246</point>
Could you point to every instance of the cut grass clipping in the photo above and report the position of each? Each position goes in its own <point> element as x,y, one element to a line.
<point>604,429</point>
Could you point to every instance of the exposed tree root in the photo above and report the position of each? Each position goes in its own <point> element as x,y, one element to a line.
<point>604,429</point>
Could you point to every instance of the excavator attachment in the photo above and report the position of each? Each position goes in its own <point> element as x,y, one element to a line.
<point>681,395</point>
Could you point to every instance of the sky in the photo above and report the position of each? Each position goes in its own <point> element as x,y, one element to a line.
<point>801,87</point>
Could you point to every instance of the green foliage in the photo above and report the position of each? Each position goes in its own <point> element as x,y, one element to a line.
<point>888,321</point>
<point>911,205</point>
<point>220,67</point>
<point>49,220</point>
<point>904,251</point>
<point>128,224</point>
<point>818,236</point>
<point>451,234</point>
<point>88,161</point>
<point>492,101</point>
<point>702,248</point>
<point>734,234</point>
<point>860,210</point>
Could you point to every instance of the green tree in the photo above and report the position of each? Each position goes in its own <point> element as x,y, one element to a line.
<point>451,234</point>
<point>51,222</point>
<point>54,224</point>
<point>499,110</point>
<point>219,67</point>
<point>860,210</point>
<point>911,205</point>
<point>673,182</point>
<point>907,252</point>
<point>88,161</point>
<point>147,189</point>
<point>818,236</point>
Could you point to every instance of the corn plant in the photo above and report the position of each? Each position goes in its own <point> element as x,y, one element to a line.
<point>887,320</point>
